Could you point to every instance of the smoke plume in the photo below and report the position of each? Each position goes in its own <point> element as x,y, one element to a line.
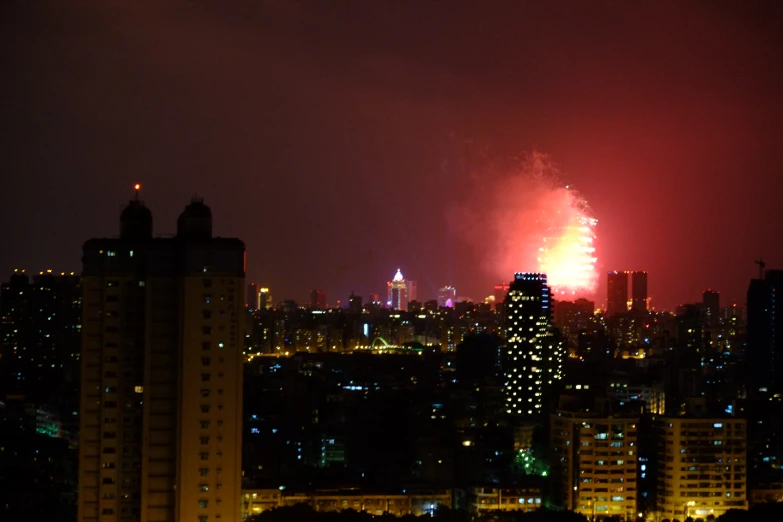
<point>521,217</point>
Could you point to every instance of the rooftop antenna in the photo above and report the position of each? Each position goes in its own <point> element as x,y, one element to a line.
<point>762,265</point>
<point>136,190</point>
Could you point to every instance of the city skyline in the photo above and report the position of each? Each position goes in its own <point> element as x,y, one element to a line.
<point>672,141</point>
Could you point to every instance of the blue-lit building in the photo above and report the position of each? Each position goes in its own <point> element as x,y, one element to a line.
<point>534,354</point>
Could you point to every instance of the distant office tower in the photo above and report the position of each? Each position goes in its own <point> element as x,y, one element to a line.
<point>355,303</point>
<point>264,299</point>
<point>251,301</point>
<point>318,299</point>
<point>500,294</point>
<point>711,306</point>
<point>413,291</point>
<point>617,293</point>
<point>398,292</point>
<point>534,356</point>
<point>161,400</point>
<point>375,299</point>
<point>639,291</point>
<point>715,474</point>
<point>447,296</point>
<point>765,333</point>
<point>40,321</point>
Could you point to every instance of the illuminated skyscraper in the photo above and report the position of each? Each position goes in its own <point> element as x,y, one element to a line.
<point>639,298</point>
<point>161,394</point>
<point>398,292</point>
<point>617,293</point>
<point>318,299</point>
<point>534,356</point>
<point>447,296</point>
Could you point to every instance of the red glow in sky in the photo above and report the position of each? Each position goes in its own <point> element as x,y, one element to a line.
<point>521,218</point>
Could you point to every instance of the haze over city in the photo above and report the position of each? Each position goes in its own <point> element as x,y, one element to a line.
<point>286,116</point>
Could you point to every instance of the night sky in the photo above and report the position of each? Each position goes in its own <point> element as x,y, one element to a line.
<point>329,136</point>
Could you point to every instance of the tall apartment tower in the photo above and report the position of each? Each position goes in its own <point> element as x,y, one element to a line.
<point>639,298</point>
<point>617,293</point>
<point>161,398</point>
<point>534,355</point>
<point>765,334</point>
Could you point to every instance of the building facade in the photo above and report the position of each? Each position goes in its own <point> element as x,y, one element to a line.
<point>639,297</point>
<point>617,293</point>
<point>702,466</point>
<point>534,356</point>
<point>398,503</point>
<point>594,466</point>
<point>161,399</point>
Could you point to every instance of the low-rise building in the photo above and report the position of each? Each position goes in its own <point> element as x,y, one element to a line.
<point>485,499</point>
<point>415,502</point>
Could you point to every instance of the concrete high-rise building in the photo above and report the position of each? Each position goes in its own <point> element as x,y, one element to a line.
<point>765,333</point>
<point>702,468</point>
<point>397,292</point>
<point>534,355</point>
<point>447,297</point>
<point>617,293</point>
<point>318,299</point>
<point>594,470</point>
<point>639,297</point>
<point>500,295</point>
<point>252,297</point>
<point>161,399</point>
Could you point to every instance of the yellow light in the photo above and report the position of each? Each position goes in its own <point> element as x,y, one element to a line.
<point>137,186</point>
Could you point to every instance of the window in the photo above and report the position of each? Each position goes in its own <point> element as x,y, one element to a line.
<point>204,456</point>
<point>206,330</point>
<point>207,298</point>
<point>202,518</point>
<point>205,393</point>
<point>204,377</point>
<point>205,361</point>
<point>108,511</point>
<point>203,503</point>
<point>205,440</point>
<point>204,425</point>
<point>204,408</point>
<point>206,314</point>
<point>204,472</point>
<point>206,345</point>
<point>203,488</point>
